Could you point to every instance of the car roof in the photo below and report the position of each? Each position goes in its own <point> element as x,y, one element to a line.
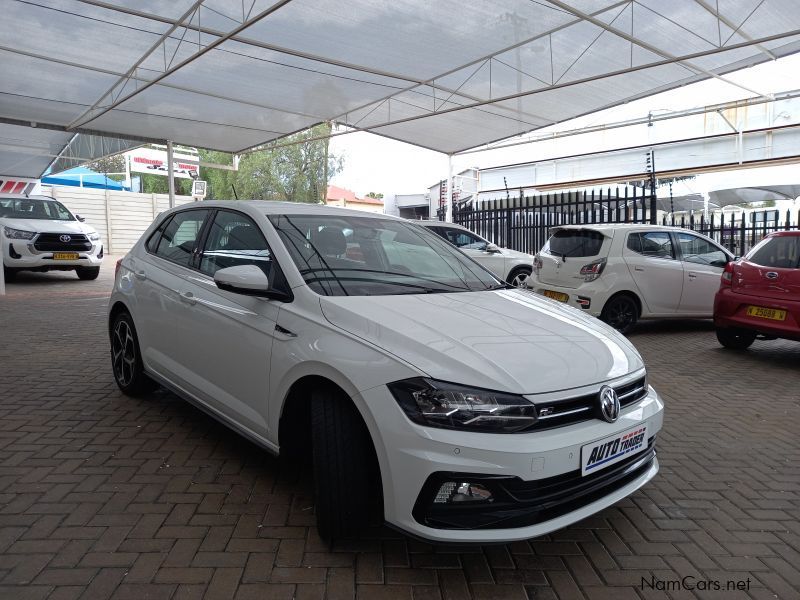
<point>271,207</point>
<point>616,226</point>
<point>435,223</point>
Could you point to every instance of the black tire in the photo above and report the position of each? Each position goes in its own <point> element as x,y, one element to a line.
<point>87,273</point>
<point>735,339</point>
<point>621,312</point>
<point>126,360</point>
<point>9,274</point>
<point>518,276</point>
<point>346,477</point>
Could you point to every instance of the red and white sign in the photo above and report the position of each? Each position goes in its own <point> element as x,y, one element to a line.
<point>154,162</point>
<point>20,186</point>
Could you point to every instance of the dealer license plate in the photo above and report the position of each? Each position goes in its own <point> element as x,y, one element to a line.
<point>604,453</point>
<point>556,295</point>
<point>65,256</point>
<point>766,313</point>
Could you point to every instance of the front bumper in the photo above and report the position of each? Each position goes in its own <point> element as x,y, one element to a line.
<point>412,456</point>
<point>23,255</point>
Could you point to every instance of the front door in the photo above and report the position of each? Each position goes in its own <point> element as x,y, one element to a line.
<point>703,263</point>
<point>226,338</point>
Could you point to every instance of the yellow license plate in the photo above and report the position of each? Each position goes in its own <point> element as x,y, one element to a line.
<point>556,295</point>
<point>65,256</point>
<point>766,313</point>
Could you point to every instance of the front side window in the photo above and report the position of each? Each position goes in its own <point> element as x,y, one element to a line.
<point>652,244</point>
<point>779,252</point>
<point>33,208</point>
<point>234,240</point>
<point>179,238</point>
<point>464,239</point>
<point>699,251</point>
<point>375,256</point>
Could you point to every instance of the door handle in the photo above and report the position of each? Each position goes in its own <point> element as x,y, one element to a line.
<point>140,275</point>
<point>638,268</point>
<point>188,298</point>
<point>692,275</point>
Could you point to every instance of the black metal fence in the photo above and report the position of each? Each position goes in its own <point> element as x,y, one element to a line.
<point>523,223</point>
<point>738,232</point>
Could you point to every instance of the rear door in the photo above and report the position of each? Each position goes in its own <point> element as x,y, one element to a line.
<point>655,269</point>
<point>771,269</point>
<point>703,262</point>
<point>566,252</point>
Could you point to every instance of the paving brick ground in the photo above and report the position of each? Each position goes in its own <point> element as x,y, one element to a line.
<point>102,496</point>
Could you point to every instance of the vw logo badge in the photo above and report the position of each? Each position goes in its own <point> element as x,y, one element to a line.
<point>609,404</point>
<point>65,238</point>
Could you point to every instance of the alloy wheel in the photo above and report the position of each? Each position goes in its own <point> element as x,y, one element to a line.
<point>123,353</point>
<point>621,314</point>
<point>520,279</point>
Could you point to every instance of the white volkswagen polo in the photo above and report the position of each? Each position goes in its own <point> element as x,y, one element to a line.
<point>423,390</point>
<point>40,234</point>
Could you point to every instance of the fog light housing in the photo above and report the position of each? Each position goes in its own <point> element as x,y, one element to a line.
<point>453,492</point>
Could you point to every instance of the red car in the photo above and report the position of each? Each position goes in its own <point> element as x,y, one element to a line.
<point>760,294</point>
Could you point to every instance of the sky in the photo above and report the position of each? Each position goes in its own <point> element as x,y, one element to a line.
<point>377,164</point>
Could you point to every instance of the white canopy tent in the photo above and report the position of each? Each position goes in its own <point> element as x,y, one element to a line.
<point>450,75</point>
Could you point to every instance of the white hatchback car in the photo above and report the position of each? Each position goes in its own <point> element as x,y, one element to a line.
<point>39,234</point>
<point>427,392</point>
<point>509,265</point>
<point>624,272</point>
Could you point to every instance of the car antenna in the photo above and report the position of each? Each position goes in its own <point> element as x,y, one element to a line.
<point>234,191</point>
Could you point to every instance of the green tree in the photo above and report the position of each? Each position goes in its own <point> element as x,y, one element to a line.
<point>296,171</point>
<point>377,196</point>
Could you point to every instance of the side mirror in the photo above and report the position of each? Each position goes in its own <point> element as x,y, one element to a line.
<point>80,218</point>
<point>492,247</point>
<point>248,280</point>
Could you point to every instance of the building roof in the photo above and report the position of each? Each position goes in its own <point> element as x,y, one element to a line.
<point>338,193</point>
<point>443,75</point>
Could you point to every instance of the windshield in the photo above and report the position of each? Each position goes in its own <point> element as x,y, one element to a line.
<point>33,208</point>
<point>374,256</point>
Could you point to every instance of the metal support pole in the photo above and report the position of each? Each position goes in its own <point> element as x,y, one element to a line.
<point>449,206</point>
<point>170,175</point>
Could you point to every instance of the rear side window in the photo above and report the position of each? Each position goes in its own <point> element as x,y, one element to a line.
<point>653,244</point>
<point>577,243</point>
<point>780,252</point>
<point>179,238</point>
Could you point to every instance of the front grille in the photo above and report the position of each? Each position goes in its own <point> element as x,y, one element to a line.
<point>51,242</point>
<point>583,408</point>
<point>521,503</point>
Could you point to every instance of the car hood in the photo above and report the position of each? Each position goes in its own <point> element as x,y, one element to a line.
<point>50,226</point>
<point>508,340</point>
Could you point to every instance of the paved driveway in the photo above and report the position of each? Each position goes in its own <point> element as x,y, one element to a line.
<point>104,496</point>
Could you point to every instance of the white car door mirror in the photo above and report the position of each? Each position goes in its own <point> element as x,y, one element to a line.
<point>492,247</point>
<point>248,280</point>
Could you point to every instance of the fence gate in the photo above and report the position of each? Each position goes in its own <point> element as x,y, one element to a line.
<point>523,223</point>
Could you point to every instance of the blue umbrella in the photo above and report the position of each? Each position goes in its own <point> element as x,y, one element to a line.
<point>85,177</point>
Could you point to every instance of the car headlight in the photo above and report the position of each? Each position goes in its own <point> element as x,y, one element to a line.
<point>94,236</point>
<point>18,234</point>
<point>450,406</point>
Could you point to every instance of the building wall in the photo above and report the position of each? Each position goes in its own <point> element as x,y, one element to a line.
<point>356,205</point>
<point>119,217</point>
